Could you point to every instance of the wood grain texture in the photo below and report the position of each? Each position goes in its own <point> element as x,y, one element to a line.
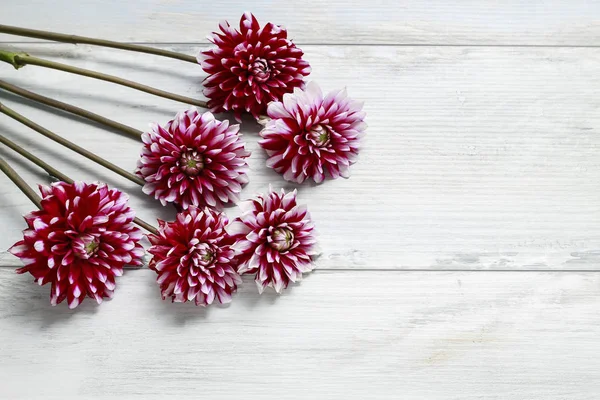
<point>475,158</point>
<point>481,154</point>
<point>466,22</point>
<point>338,335</point>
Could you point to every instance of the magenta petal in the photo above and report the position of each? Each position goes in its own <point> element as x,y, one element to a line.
<point>251,67</point>
<point>274,239</point>
<point>79,247</point>
<point>311,136</point>
<point>193,259</point>
<point>189,160</point>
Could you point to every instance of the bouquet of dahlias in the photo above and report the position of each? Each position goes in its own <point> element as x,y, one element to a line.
<point>83,234</point>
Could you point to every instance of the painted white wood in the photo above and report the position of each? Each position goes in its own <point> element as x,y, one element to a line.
<point>482,22</point>
<point>338,335</point>
<point>475,158</point>
<point>480,155</point>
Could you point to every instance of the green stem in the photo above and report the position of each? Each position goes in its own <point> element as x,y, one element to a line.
<point>129,131</point>
<point>70,145</point>
<point>57,174</point>
<point>145,225</point>
<point>21,184</point>
<point>19,60</point>
<point>43,165</point>
<point>9,57</point>
<point>61,37</point>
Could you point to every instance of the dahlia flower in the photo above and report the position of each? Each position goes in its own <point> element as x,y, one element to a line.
<point>193,258</point>
<point>79,241</point>
<point>274,239</point>
<point>308,135</point>
<point>194,160</point>
<point>251,67</point>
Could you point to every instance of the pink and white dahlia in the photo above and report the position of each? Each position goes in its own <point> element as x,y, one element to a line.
<point>193,258</point>
<point>274,239</point>
<point>251,67</point>
<point>308,135</point>
<point>194,160</point>
<point>79,241</point>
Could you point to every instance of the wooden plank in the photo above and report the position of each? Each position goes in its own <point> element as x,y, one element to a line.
<point>475,158</point>
<point>339,335</point>
<point>488,22</point>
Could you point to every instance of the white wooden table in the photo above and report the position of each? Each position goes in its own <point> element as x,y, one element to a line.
<point>461,259</point>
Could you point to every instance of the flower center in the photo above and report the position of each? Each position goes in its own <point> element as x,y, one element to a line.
<point>319,136</point>
<point>85,246</point>
<point>204,254</point>
<point>282,239</point>
<point>260,69</point>
<point>191,163</point>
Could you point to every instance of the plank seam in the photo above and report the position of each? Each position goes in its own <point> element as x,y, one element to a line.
<point>412,270</point>
<point>341,44</point>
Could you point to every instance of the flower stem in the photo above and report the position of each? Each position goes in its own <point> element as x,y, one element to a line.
<point>55,173</point>
<point>70,145</point>
<point>129,131</point>
<point>21,184</point>
<point>40,163</point>
<point>145,225</point>
<point>61,37</point>
<point>19,60</point>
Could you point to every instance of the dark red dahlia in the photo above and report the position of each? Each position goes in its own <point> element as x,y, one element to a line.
<point>79,241</point>
<point>274,239</point>
<point>193,258</point>
<point>309,135</point>
<point>195,160</point>
<point>251,67</point>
